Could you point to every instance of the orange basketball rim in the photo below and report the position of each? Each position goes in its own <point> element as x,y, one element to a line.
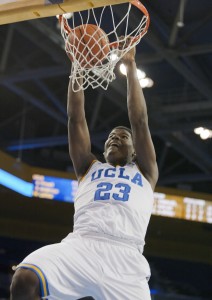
<point>135,3</point>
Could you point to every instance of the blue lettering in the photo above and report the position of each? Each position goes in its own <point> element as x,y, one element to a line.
<point>121,174</point>
<point>97,176</point>
<point>137,179</point>
<point>110,174</point>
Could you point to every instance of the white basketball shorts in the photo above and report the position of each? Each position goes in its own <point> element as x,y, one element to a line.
<point>82,266</point>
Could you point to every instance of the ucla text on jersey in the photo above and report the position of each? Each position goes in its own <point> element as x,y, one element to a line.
<point>117,173</point>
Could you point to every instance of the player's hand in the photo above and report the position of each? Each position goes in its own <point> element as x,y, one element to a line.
<point>130,55</point>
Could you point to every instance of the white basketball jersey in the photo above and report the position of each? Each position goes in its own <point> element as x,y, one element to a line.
<point>116,201</point>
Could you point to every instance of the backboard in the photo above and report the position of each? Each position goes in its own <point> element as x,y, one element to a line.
<point>12,11</point>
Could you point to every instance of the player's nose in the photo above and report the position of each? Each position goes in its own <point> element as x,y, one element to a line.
<point>115,137</point>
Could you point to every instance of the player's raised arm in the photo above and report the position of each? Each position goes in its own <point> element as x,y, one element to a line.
<point>78,134</point>
<point>137,111</point>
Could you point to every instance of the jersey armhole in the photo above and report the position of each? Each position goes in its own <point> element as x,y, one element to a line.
<point>143,175</point>
<point>82,178</point>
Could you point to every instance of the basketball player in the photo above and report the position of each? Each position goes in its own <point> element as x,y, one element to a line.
<point>102,258</point>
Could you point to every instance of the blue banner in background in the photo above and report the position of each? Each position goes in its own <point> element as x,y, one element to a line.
<point>54,188</point>
<point>16,184</point>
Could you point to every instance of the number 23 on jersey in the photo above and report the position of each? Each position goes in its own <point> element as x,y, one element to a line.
<point>107,191</point>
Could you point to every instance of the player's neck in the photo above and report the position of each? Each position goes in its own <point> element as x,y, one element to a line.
<point>120,163</point>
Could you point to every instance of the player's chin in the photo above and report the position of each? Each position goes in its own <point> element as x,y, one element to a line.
<point>112,151</point>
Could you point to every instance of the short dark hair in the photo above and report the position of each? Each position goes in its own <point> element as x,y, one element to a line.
<point>123,127</point>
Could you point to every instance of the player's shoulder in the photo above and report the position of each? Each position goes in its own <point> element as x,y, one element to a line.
<point>95,164</point>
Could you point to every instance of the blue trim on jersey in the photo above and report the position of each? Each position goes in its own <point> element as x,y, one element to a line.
<point>44,289</point>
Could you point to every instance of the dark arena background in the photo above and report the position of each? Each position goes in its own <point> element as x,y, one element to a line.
<point>37,182</point>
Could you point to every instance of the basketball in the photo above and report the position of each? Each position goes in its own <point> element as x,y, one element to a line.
<point>88,44</point>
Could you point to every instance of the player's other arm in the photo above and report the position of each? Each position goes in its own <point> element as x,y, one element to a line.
<point>137,110</point>
<point>78,134</point>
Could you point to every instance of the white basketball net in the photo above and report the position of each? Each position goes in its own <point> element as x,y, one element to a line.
<point>118,29</point>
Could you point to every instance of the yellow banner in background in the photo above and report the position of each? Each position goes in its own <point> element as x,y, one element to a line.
<point>182,207</point>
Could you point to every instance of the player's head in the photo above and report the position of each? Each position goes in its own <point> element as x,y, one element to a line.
<point>119,149</point>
